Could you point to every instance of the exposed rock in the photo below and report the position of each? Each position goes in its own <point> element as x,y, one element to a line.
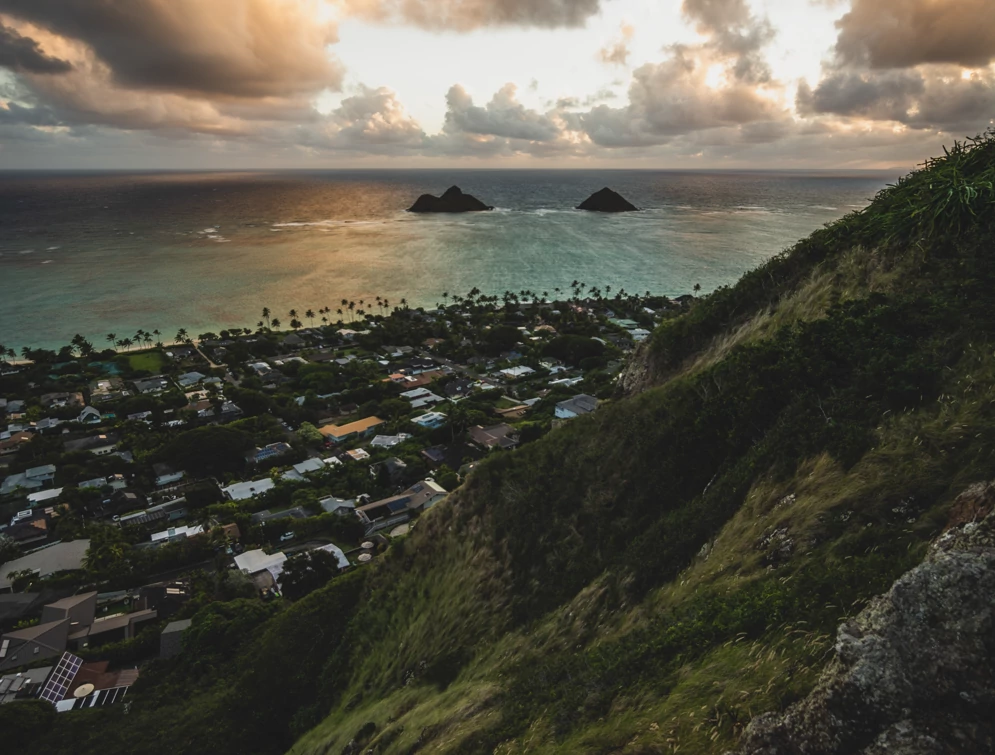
<point>914,672</point>
<point>454,200</point>
<point>607,200</point>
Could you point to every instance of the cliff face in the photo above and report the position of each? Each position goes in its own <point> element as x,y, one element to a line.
<point>453,200</point>
<point>914,672</point>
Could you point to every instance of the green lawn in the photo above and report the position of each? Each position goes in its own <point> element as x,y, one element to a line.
<point>152,361</point>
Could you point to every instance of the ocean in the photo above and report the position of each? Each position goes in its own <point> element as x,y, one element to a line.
<point>94,253</point>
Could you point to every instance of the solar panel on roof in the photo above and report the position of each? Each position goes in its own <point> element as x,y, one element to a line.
<point>399,505</point>
<point>60,679</point>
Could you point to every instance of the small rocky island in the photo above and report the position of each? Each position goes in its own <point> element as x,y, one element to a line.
<point>607,200</point>
<point>454,200</point>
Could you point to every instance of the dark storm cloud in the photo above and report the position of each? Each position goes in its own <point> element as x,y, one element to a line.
<point>24,54</point>
<point>464,15</point>
<point>236,48</point>
<point>906,33</point>
<point>933,97</point>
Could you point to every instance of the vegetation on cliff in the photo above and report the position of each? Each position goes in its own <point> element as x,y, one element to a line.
<point>650,577</point>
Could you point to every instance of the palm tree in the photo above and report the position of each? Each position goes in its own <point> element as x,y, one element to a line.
<point>697,288</point>
<point>112,339</point>
<point>293,314</point>
<point>339,313</point>
<point>295,324</point>
<point>127,343</point>
<point>310,316</point>
<point>158,337</point>
<point>266,316</point>
<point>276,323</point>
<point>352,307</point>
<point>181,335</point>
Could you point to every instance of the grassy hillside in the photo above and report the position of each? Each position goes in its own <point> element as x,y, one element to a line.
<point>650,577</point>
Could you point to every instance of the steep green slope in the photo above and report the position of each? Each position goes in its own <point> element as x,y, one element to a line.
<point>650,577</point>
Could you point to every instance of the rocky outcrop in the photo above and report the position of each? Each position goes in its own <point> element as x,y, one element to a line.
<point>914,672</point>
<point>454,200</point>
<point>607,200</point>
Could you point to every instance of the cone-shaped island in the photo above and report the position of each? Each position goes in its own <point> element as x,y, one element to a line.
<point>607,200</point>
<point>454,200</point>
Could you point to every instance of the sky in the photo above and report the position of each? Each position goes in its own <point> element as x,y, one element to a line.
<point>710,84</point>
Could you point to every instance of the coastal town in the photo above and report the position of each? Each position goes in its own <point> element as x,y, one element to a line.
<point>142,481</point>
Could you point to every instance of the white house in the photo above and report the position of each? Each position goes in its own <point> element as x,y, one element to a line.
<point>431,420</point>
<point>513,373</point>
<point>241,491</point>
<point>576,406</point>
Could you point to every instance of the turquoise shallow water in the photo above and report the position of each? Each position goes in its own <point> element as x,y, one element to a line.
<point>112,252</point>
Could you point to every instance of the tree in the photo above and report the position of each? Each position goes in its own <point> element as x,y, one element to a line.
<point>306,572</point>
<point>310,316</point>
<point>266,315</point>
<point>276,323</point>
<point>697,288</point>
<point>309,434</point>
<point>9,549</point>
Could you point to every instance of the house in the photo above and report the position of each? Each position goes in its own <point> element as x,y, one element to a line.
<point>41,496</point>
<point>514,373</point>
<point>357,454</point>
<point>50,636</point>
<point>107,389</point>
<point>173,534</point>
<point>28,532</point>
<point>98,445</point>
<point>495,436</point>
<point>420,397</point>
<point>459,388</point>
<point>30,479</point>
<point>92,686</point>
<point>25,684</point>
<point>298,471</point>
<point>171,639</point>
<point>36,643</point>
<point>66,556</point>
<point>389,511</point>
<point>339,506</point>
<point>389,441</point>
<point>123,626</point>
<point>80,610</point>
<point>166,475</point>
<point>190,378</point>
<point>156,384</point>
<point>434,455</point>
<point>340,556</point>
<point>61,400</point>
<point>340,433</point>
<point>431,420</point>
<point>89,416</point>
<point>576,406</point>
<point>241,491</point>
<point>12,443</point>
<point>394,468</point>
<point>293,341</point>
<point>271,451</point>
<point>263,568</point>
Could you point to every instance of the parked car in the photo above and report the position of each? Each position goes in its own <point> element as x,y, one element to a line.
<point>286,536</point>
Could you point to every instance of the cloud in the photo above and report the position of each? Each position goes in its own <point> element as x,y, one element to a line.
<point>733,31</point>
<point>227,48</point>
<point>674,98</point>
<point>373,121</point>
<point>25,54</point>
<point>932,97</point>
<point>465,15</point>
<point>906,33</point>
<point>503,116</point>
<point>617,52</point>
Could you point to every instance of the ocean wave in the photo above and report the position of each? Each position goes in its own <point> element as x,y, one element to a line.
<point>328,223</point>
<point>47,262</point>
<point>27,251</point>
<point>823,207</point>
